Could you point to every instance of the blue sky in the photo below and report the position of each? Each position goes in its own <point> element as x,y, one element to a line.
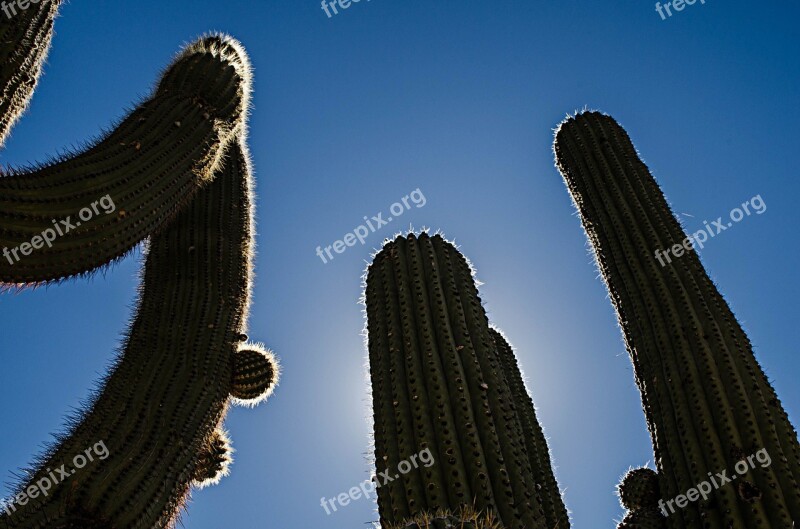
<point>459,99</point>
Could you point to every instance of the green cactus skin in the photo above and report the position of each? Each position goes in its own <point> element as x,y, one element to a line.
<point>438,384</point>
<point>706,399</point>
<point>178,169</point>
<point>535,441</point>
<point>24,44</point>
<point>150,166</point>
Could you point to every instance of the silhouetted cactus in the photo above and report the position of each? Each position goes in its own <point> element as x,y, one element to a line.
<point>439,383</point>
<point>465,518</point>
<point>706,399</point>
<point>639,492</point>
<point>535,442</point>
<point>177,171</point>
<point>24,42</point>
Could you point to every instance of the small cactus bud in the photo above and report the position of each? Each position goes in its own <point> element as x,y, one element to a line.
<point>639,489</point>
<point>255,375</point>
<point>213,462</point>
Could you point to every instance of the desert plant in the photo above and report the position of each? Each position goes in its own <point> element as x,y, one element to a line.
<point>439,383</point>
<point>535,441</point>
<point>176,170</point>
<point>706,399</point>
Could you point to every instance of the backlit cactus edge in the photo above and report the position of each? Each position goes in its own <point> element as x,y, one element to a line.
<point>178,173</point>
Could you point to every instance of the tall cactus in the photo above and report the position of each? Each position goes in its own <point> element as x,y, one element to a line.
<point>439,384</point>
<point>707,401</point>
<point>176,170</point>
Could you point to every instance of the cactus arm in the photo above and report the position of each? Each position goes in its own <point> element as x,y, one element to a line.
<point>707,401</point>
<point>149,167</point>
<point>162,404</point>
<point>25,41</point>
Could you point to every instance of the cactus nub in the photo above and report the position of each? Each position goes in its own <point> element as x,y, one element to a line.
<point>255,374</point>
<point>214,460</point>
<point>639,489</point>
<point>706,399</point>
<point>438,384</point>
<point>640,493</point>
<point>177,171</point>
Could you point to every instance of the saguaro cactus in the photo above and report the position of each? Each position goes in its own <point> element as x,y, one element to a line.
<point>439,384</point>
<point>707,401</point>
<point>176,170</point>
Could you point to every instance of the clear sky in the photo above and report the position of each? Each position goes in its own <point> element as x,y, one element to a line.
<point>459,100</point>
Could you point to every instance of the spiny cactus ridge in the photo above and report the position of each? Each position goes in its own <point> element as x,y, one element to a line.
<point>24,43</point>
<point>464,518</point>
<point>177,171</point>
<point>535,441</point>
<point>439,384</point>
<point>707,401</point>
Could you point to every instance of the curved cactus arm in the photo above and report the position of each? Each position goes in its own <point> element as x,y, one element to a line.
<point>535,441</point>
<point>25,37</point>
<point>79,213</point>
<point>706,399</point>
<point>160,408</point>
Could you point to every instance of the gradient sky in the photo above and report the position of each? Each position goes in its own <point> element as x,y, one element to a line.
<point>459,99</point>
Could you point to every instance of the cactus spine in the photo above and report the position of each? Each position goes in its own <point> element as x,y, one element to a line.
<point>707,401</point>
<point>439,384</point>
<point>178,172</point>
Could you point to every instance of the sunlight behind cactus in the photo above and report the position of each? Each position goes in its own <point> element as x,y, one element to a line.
<point>440,383</point>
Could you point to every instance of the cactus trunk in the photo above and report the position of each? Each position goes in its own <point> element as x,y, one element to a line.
<point>706,399</point>
<point>438,384</point>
